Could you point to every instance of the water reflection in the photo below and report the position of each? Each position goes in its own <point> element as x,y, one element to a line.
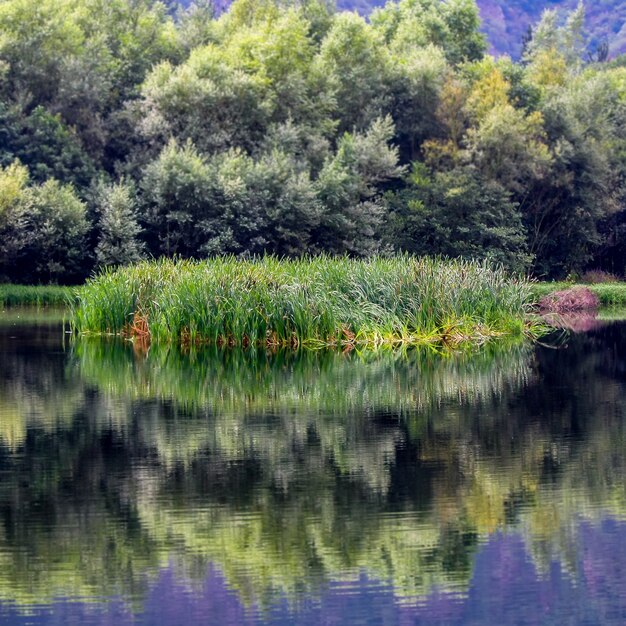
<point>293,482</point>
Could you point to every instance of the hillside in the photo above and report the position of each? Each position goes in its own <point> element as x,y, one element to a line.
<point>506,21</point>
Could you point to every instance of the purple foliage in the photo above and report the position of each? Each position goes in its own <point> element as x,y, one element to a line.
<point>569,300</point>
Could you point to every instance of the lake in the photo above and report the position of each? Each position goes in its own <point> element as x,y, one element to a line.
<point>150,486</point>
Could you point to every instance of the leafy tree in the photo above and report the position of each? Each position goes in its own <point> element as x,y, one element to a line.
<point>582,187</point>
<point>457,213</point>
<point>81,59</point>
<point>349,187</point>
<point>52,234</point>
<point>13,182</point>
<point>175,191</point>
<point>49,149</point>
<point>357,63</point>
<point>206,101</point>
<point>118,243</point>
<point>228,203</point>
<point>452,26</point>
<point>416,84</point>
<point>283,126</point>
<point>567,39</point>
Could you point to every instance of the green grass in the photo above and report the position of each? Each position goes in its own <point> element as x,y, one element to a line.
<point>610,294</point>
<point>38,295</point>
<point>319,301</point>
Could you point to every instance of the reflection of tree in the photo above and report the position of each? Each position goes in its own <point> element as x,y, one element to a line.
<point>290,469</point>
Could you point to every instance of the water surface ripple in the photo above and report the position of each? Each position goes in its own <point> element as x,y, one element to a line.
<point>250,487</point>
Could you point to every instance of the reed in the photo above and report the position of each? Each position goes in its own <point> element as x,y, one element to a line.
<point>35,295</point>
<point>316,301</point>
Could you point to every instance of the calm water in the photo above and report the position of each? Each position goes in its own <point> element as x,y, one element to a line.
<point>248,488</point>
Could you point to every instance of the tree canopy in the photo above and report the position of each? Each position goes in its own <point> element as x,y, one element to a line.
<point>129,129</point>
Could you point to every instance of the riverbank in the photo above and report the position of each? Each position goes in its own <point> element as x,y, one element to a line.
<point>313,302</point>
<point>609,294</point>
<point>36,295</point>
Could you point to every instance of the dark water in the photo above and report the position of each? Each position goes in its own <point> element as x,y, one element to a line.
<point>247,488</point>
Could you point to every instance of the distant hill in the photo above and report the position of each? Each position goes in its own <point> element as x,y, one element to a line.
<point>506,21</point>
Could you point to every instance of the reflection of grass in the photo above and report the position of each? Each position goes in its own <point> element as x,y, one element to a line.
<point>17,315</point>
<point>612,313</point>
<point>313,302</point>
<point>247,382</point>
<point>15,295</point>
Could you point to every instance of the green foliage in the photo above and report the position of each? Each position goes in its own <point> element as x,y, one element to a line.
<point>230,202</point>
<point>13,182</point>
<point>451,26</point>
<point>458,214</point>
<point>118,243</point>
<point>567,40</point>
<point>43,229</point>
<point>347,187</point>
<point>20,295</point>
<point>609,294</point>
<point>312,302</point>
<point>207,101</point>
<point>282,127</point>
<point>52,233</point>
<point>357,63</point>
<point>43,143</point>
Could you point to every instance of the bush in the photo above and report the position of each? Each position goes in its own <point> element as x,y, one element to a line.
<point>570,300</point>
<point>598,277</point>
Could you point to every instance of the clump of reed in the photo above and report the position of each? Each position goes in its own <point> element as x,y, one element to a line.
<point>316,301</point>
<point>35,295</point>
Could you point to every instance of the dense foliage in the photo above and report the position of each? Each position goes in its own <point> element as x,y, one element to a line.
<point>132,129</point>
<point>307,302</point>
<point>506,22</point>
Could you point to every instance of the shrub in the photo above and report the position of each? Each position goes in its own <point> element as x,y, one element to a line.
<point>569,300</point>
<point>597,277</point>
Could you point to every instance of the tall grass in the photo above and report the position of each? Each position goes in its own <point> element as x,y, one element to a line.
<point>313,301</point>
<point>39,295</point>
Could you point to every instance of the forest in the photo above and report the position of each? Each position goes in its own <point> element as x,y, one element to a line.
<point>134,129</point>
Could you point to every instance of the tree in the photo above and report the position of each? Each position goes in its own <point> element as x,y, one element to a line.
<point>52,234</point>
<point>457,214</point>
<point>42,142</point>
<point>568,39</point>
<point>350,189</point>
<point>118,243</point>
<point>584,183</point>
<point>176,190</point>
<point>452,26</point>
<point>355,60</point>
<point>13,182</point>
<point>207,101</point>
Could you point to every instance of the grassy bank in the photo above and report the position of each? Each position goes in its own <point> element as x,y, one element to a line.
<point>39,295</point>
<point>314,302</point>
<point>610,294</point>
